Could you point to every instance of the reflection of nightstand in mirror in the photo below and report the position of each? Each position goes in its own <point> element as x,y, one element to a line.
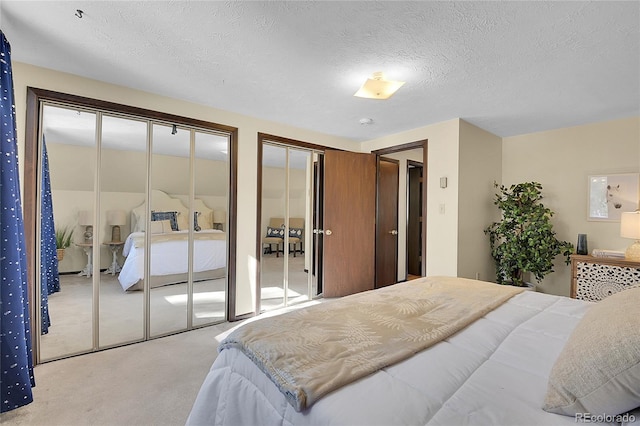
<point>114,246</point>
<point>88,269</point>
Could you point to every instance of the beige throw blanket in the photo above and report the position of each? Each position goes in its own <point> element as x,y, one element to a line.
<point>310,352</point>
<point>138,241</point>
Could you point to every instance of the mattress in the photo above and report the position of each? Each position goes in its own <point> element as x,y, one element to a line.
<point>493,372</point>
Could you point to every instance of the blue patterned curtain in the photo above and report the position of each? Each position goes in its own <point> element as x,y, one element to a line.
<point>16,362</point>
<point>49,278</point>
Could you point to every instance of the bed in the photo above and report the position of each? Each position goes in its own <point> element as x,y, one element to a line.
<point>499,369</point>
<point>169,235</point>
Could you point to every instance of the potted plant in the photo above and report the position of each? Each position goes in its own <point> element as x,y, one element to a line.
<point>524,240</point>
<point>64,238</point>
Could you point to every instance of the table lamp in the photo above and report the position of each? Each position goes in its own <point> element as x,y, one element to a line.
<point>85,218</point>
<point>116,218</point>
<point>630,228</point>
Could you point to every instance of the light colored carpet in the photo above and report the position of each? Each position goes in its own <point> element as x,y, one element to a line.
<point>149,383</point>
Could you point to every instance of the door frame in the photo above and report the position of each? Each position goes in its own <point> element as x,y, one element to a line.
<point>424,143</point>
<point>291,143</point>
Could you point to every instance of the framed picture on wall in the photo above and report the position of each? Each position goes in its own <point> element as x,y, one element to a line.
<point>610,195</point>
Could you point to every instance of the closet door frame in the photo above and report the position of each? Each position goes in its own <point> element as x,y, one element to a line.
<point>35,97</point>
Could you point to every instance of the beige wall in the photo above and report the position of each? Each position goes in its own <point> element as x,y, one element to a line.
<point>480,165</point>
<point>561,160</point>
<point>26,75</point>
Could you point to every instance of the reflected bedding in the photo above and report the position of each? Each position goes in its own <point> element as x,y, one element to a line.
<point>169,256</point>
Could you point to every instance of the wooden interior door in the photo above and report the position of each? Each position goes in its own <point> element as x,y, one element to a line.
<point>414,220</point>
<point>387,223</point>
<point>349,222</point>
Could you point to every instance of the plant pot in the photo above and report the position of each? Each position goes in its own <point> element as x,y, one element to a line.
<point>60,254</point>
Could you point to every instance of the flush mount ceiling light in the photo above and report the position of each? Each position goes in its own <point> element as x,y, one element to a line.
<point>377,87</point>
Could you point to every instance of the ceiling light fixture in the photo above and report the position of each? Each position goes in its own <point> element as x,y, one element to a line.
<point>366,121</point>
<point>377,87</point>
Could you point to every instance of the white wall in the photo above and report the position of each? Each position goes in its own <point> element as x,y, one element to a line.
<point>561,160</point>
<point>27,75</point>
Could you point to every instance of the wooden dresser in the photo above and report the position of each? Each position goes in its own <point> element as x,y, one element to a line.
<point>594,278</point>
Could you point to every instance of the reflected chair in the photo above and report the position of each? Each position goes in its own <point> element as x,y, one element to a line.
<point>296,234</point>
<point>274,235</point>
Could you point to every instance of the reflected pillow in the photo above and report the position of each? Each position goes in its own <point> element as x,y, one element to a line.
<point>205,221</point>
<point>183,221</point>
<point>172,217</point>
<point>275,232</point>
<point>598,370</point>
<point>196,226</point>
<point>295,232</point>
<point>161,226</point>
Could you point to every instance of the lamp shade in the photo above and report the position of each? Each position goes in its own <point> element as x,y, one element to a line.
<point>116,217</point>
<point>85,218</point>
<point>219,216</point>
<point>630,225</point>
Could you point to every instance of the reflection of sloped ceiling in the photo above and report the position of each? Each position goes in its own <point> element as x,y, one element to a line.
<point>73,127</point>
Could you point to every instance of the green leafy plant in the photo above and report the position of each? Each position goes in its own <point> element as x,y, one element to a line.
<point>64,237</point>
<point>524,240</point>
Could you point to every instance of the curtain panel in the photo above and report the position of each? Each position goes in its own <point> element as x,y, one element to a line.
<point>16,360</point>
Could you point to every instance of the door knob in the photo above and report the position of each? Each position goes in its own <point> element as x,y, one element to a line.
<point>393,232</point>
<point>327,232</point>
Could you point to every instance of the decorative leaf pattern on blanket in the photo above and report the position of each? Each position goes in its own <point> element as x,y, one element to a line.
<point>310,352</point>
<point>138,241</point>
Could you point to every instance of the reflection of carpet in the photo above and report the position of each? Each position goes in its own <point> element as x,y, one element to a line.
<point>272,282</point>
<point>121,313</point>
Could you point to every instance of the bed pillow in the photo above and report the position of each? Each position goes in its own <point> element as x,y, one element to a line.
<point>275,232</point>
<point>598,370</point>
<point>295,232</point>
<point>172,217</point>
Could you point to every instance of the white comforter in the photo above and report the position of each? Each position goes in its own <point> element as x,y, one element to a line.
<point>171,257</point>
<point>494,372</point>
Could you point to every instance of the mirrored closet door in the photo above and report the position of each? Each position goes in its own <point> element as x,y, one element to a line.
<point>132,229</point>
<point>287,272</point>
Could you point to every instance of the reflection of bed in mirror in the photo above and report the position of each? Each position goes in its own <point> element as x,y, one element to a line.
<point>169,234</point>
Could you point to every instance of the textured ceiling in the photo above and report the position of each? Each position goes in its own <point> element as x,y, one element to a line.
<point>508,67</point>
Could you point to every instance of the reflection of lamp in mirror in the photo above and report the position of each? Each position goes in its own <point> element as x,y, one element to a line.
<point>85,218</point>
<point>116,218</point>
<point>630,228</point>
<point>219,218</point>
